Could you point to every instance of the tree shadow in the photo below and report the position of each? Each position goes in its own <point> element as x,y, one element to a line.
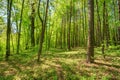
<point>112,69</point>
<point>109,65</point>
<point>69,71</point>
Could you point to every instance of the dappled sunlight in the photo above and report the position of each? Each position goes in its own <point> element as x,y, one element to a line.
<point>70,61</point>
<point>102,68</point>
<point>59,39</point>
<point>61,64</point>
<point>70,52</point>
<point>10,71</point>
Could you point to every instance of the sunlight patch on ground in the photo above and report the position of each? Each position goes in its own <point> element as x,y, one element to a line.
<point>10,71</point>
<point>69,61</point>
<point>71,52</point>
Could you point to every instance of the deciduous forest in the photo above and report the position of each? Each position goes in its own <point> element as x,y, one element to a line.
<point>59,39</point>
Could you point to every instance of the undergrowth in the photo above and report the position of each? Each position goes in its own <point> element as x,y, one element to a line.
<point>58,64</point>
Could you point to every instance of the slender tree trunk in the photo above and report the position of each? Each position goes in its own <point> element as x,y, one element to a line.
<point>99,38</point>
<point>80,40</point>
<point>49,38</point>
<point>107,30</point>
<point>69,28</point>
<point>119,8</point>
<point>46,39</point>
<point>43,30</point>
<point>32,24</point>
<point>12,43</point>
<point>64,32</point>
<point>114,30</point>
<point>61,35</point>
<point>56,40</point>
<point>73,34</point>
<point>118,30</point>
<point>9,7</point>
<point>90,51</point>
<point>19,30</point>
<point>83,25</point>
<point>104,28</point>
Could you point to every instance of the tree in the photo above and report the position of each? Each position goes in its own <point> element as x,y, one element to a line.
<point>119,21</point>
<point>98,31</point>
<point>43,21</point>
<point>32,23</point>
<point>90,49</point>
<point>19,30</point>
<point>69,27</point>
<point>119,8</point>
<point>9,8</point>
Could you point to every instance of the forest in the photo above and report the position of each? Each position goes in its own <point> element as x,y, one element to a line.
<point>59,39</point>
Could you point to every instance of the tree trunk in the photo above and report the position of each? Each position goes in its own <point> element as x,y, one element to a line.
<point>9,7</point>
<point>56,40</point>
<point>43,29</point>
<point>114,36</point>
<point>69,27</point>
<point>64,32</point>
<point>32,24</point>
<point>104,27</point>
<point>90,50</point>
<point>19,30</point>
<point>61,35</point>
<point>99,38</point>
<point>118,30</point>
<point>107,30</point>
<point>119,8</point>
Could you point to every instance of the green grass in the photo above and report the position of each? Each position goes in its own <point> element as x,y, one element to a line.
<point>56,63</point>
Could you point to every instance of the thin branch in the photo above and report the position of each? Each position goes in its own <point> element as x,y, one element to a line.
<point>39,12</point>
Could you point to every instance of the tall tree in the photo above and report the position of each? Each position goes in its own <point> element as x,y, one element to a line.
<point>114,36</point>
<point>32,23</point>
<point>69,27</point>
<point>104,28</point>
<point>19,30</point>
<point>119,8</point>
<point>90,49</point>
<point>119,21</point>
<point>43,21</point>
<point>98,31</point>
<point>9,8</point>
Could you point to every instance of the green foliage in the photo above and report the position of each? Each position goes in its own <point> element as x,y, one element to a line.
<point>114,47</point>
<point>106,78</point>
<point>6,78</point>
<point>71,76</point>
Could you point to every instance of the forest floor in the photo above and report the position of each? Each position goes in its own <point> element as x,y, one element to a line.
<point>63,65</point>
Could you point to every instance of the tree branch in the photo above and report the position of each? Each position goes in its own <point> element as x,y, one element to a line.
<point>39,12</point>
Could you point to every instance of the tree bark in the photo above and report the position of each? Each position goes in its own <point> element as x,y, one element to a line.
<point>32,24</point>
<point>9,7</point>
<point>119,8</point>
<point>118,30</point>
<point>99,38</point>
<point>69,27</point>
<point>19,30</point>
<point>44,21</point>
<point>90,50</point>
<point>104,28</point>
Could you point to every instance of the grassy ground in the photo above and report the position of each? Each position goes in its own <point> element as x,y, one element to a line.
<point>56,64</point>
